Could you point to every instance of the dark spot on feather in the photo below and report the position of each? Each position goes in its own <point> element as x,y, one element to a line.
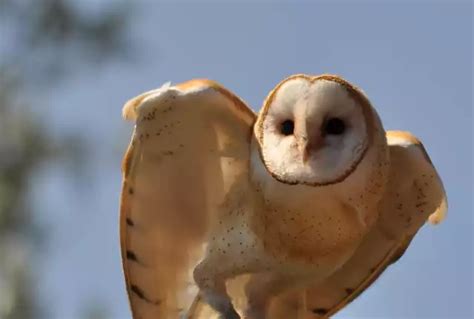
<point>349,291</point>
<point>137,291</point>
<point>320,311</point>
<point>420,204</point>
<point>131,256</point>
<point>130,222</point>
<point>131,191</point>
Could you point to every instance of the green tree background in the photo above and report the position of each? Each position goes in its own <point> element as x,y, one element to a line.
<point>43,42</point>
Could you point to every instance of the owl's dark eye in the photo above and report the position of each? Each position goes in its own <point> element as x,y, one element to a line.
<point>334,126</point>
<point>287,127</point>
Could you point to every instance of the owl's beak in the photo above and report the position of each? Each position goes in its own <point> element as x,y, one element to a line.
<point>310,139</point>
<point>308,146</point>
<point>302,144</point>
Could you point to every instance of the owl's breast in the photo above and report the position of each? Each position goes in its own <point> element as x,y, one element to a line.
<point>316,234</point>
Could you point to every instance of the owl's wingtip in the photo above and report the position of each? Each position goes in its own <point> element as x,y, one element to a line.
<point>129,110</point>
<point>440,214</point>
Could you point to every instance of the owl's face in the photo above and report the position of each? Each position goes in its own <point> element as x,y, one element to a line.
<point>313,130</point>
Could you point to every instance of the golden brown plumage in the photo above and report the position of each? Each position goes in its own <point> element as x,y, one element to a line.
<point>213,194</point>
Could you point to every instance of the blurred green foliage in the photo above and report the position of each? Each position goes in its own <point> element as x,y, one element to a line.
<point>41,39</point>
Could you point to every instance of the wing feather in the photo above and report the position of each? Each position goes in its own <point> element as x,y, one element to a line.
<point>415,194</point>
<point>189,144</point>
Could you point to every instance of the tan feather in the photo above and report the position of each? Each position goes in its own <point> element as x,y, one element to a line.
<point>412,197</point>
<point>175,173</point>
<point>190,145</point>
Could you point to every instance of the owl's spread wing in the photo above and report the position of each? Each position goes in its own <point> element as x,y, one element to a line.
<point>415,194</point>
<point>190,142</point>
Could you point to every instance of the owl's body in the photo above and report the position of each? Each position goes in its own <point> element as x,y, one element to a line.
<point>275,233</point>
<point>292,197</point>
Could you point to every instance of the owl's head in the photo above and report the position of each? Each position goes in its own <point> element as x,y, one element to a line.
<point>314,130</point>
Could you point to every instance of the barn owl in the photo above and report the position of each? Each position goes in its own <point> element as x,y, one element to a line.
<point>290,213</point>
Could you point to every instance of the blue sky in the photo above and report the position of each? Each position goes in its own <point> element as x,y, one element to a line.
<point>414,60</point>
